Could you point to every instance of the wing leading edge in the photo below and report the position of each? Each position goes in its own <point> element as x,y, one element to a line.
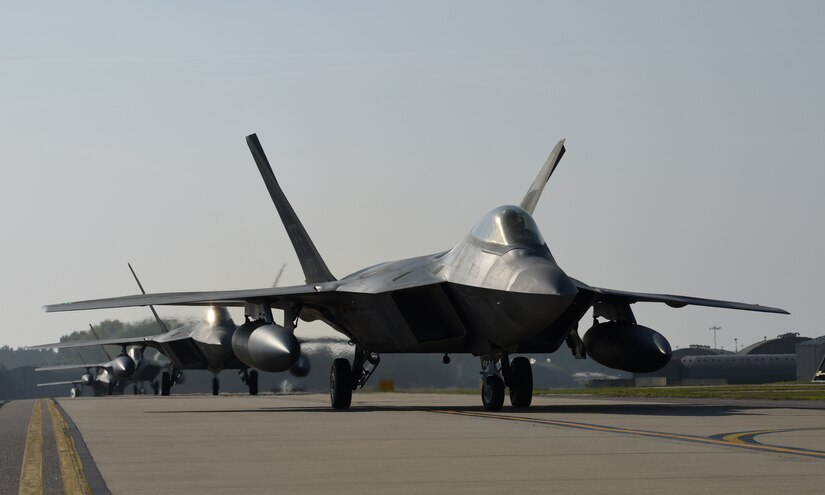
<point>60,367</point>
<point>148,341</point>
<point>674,301</point>
<point>273,295</point>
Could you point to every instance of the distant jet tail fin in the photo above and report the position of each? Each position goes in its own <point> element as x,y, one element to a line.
<point>534,193</point>
<point>162,325</point>
<point>315,270</point>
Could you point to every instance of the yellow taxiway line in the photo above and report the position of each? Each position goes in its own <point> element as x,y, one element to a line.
<point>71,469</point>
<point>732,440</point>
<point>31,474</point>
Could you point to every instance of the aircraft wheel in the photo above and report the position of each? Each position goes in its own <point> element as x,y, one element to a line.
<point>156,387</point>
<point>253,382</point>
<point>165,383</point>
<point>521,387</point>
<point>340,384</point>
<point>73,392</point>
<point>492,393</point>
<point>216,385</point>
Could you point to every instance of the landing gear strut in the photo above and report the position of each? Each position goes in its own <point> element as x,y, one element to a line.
<point>517,376</point>
<point>492,385</point>
<point>343,378</point>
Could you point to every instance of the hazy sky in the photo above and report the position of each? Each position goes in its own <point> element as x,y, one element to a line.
<point>695,137</point>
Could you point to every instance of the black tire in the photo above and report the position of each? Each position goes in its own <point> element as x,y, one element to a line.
<point>165,384</point>
<point>253,382</point>
<point>521,382</point>
<point>135,389</point>
<point>155,387</point>
<point>216,385</point>
<point>492,393</point>
<point>340,384</point>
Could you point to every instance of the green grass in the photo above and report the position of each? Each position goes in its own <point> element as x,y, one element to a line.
<point>771,391</point>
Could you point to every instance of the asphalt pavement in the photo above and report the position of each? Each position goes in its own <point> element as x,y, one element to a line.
<point>420,443</point>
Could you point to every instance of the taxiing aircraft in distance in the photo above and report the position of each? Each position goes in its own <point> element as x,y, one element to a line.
<point>499,292</point>
<point>131,366</point>
<point>202,345</point>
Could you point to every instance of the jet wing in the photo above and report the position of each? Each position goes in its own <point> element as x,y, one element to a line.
<point>612,295</point>
<point>148,341</point>
<point>278,297</point>
<point>60,367</point>
<point>76,382</point>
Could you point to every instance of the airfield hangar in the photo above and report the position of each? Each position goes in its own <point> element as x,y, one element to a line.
<point>810,360</point>
<point>769,360</point>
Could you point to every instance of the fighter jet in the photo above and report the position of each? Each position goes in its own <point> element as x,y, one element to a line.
<point>203,345</point>
<point>497,293</point>
<point>75,391</point>
<point>131,366</point>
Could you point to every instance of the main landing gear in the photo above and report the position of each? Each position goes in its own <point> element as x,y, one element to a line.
<point>168,379</point>
<point>517,376</point>
<point>250,378</point>
<point>343,378</point>
<point>216,385</point>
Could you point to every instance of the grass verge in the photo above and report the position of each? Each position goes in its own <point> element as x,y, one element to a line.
<point>770,391</point>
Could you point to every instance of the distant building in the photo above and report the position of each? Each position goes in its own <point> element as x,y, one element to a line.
<point>810,360</point>
<point>739,369</point>
<point>770,360</point>
<point>674,371</point>
<point>783,344</point>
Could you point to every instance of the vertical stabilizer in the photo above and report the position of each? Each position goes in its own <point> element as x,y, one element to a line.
<point>315,270</point>
<point>531,199</point>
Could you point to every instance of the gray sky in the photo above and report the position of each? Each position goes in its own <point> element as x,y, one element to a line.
<point>695,138</point>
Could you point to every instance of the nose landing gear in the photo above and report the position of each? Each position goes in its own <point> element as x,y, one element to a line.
<point>517,376</point>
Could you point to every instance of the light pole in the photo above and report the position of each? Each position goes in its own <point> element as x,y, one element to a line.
<point>714,329</point>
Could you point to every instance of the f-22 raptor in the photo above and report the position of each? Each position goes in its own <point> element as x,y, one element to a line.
<point>499,292</point>
<point>200,345</point>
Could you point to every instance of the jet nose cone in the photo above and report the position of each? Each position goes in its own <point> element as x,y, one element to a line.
<point>543,277</point>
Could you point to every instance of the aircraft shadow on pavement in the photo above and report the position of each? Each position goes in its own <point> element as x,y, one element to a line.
<point>672,410</point>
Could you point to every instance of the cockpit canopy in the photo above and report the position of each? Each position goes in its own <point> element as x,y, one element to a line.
<point>508,226</point>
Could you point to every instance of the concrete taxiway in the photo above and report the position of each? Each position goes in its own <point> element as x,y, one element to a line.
<point>421,443</point>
